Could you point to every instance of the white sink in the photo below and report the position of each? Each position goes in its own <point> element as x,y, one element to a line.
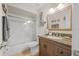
<point>54,37</point>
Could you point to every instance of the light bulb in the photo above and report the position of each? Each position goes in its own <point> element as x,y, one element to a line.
<point>28,21</point>
<point>51,10</point>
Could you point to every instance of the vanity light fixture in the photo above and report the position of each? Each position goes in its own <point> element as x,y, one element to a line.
<point>60,6</point>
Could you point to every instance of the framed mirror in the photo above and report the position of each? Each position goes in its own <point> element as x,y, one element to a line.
<point>60,20</point>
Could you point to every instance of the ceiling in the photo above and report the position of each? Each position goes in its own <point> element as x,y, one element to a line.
<point>33,7</point>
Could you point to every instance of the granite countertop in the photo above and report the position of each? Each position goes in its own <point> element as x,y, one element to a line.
<point>60,39</point>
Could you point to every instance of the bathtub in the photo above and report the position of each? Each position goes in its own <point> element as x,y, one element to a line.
<point>11,50</point>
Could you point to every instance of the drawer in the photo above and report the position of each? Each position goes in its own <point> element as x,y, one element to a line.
<point>63,52</point>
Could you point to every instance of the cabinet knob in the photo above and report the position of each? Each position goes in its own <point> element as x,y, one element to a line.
<point>61,52</point>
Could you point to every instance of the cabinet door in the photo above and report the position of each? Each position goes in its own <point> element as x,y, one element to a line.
<point>43,48</point>
<point>47,48</point>
<point>51,49</point>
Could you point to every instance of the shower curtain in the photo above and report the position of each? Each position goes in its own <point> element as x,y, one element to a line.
<point>21,32</point>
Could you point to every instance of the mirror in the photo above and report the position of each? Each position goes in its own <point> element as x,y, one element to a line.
<point>60,20</point>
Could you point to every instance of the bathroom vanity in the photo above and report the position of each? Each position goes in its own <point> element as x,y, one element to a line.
<point>54,47</point>
<point>57,44</point>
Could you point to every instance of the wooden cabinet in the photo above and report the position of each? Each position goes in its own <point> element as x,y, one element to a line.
<point>51,48</point>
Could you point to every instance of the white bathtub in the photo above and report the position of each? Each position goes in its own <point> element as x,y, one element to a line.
<point>11,50</point>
